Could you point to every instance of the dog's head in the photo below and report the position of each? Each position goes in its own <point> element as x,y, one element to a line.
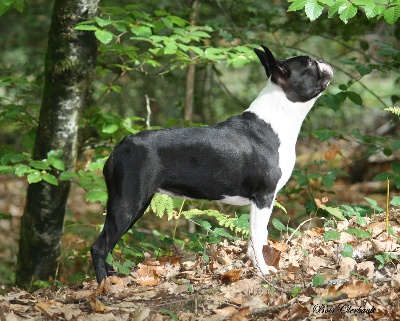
<point>301,78</point>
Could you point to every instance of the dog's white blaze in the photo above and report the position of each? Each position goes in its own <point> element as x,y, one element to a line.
<point>285,118</point>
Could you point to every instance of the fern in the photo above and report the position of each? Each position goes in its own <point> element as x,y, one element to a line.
<point>395,110</point>
<point>162,204</point>
<point>222,219</point>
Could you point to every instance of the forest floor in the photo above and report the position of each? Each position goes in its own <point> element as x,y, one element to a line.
<point>315,282</point>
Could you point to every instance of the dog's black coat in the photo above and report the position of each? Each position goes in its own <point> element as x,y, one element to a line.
<point>239,161</point>
<point>204,163</point>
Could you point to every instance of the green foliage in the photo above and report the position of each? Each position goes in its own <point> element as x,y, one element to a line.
<point>347,250</point>
<point>346,9</point>
<point>331,235</point>
<point>394,175</point>
<point>277,224</point>
<point>6,5</point>
<point>385,258</point>
<point>318,280</point>
<point>163,35</point>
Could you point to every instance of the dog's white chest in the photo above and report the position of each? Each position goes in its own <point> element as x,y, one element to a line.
<point>285,118</point>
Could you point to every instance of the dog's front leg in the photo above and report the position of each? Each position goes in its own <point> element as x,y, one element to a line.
<point>259,218</point>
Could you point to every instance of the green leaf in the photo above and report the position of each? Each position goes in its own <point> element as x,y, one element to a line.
<point>159,13</point>
<point>318,280</point>
<point>59,164</point>
<point>34,177</point>
<point>335,211</point>
<point>297,5</point>
<point>278,225</point>
<point>374,204</point>
<point>383,176</point>
<point>295,291</point>
<point>8,2</point>
<point>328,181</point>
<point>347,11</point>
<point>322,134</point>
<point>395,201</point>
<point>279,205</point>
<point>66,176</point>
<point>19,5</point>
<point>313,9</point>
<point>396,167</point>
<point>41,165</point>
<point>355,98</point>
<point>3,8</point>
<point>392,14</point>
<point>331,101</point>
<point>331,235</point>
<point>204,224</point>
<point>49,178</point>
<point>388,50</point>
<point>96,195</point>
<point>7,169</point>
<point>142,31</point>
<point>22,169</point>
<point>347,250</point>
<point>243,222</point>
<point>178,21</point>
<point>104,36</point>
<point>359,233</point>
<point>101,22</point>
<point>109,128</point>
<point>335,7</point>
<point>173,316</point>
<point>363,69</point>
<point>219,231</point>
<point>86,28</point>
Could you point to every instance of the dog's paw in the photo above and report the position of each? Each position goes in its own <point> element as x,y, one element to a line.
<point>267,269</point>
<point>259,262</point>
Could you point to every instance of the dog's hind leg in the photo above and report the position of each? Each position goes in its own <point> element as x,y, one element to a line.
<point>121,215</point>
<point>128,198</point>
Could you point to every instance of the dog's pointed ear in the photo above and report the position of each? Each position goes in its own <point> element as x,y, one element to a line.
<point>273,67</point>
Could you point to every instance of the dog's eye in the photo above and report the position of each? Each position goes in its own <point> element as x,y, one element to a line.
<point>310,62</point>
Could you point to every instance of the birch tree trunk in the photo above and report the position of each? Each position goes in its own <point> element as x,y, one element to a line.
<point>69,66</point>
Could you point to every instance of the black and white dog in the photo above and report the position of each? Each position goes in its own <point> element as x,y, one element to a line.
<point>243,160</point>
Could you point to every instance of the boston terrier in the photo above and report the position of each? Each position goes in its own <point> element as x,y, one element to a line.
<point>246,159</point>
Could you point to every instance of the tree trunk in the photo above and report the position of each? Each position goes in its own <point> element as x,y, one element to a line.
<point>191,70</point>
<point>69,66</point>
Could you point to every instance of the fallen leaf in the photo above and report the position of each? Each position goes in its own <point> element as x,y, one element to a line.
<point>347,265</point>
<point>157,317</point>
<point>316,262</point>
<point>366,269</point>
<point>140,314</point>
<point>298,312</point>
<point>230,276</point>
<point>356,289</point>
<point>225,311</point>
<point>271,255</point>
<point>113,284</point>
<point>240,315</point>
<point>96,304</point>
<point>316,231</point>
<point>147,275</point>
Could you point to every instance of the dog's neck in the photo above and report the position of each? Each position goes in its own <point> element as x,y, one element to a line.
<point>284,116</point>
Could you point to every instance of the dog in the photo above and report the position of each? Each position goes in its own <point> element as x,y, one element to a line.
<point>245,159</point>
